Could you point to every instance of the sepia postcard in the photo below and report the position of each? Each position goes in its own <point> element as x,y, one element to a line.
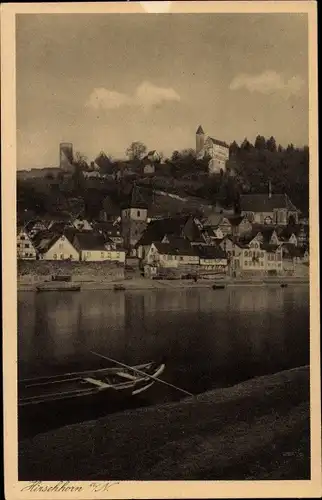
<point>160,250</point>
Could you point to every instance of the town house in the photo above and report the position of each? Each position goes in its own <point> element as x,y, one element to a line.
<point>93,247</point>
<point>186,227</point>
<point>173,254</point>
<point>25,246</point>
<point>212,258</point>
<point>53,246</point>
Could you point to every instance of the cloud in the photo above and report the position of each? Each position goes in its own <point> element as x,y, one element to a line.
<point>107,99</point>
<point>146,96</point>
<point>149,95</point>
<point>267,82</point>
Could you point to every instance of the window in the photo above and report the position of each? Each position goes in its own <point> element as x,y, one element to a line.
<point>102,255</point>
<point>138,213</point>
<point>181,258</point>
<point>71,256</point>
<point>88,254</point>
<point>61,256</point>
<point>262,255</point>
<point>246,262</point>
<point>61,246</point>
<point>22,237</point>
<point>18,245</point>
<point>262,264</point>
<point>109,256</point>
<point>246,254</point>
<point>26,245</point>
<point>55,256</point>
<point>118,255</point>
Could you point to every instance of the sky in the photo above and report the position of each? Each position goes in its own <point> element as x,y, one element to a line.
<point>102,81</point>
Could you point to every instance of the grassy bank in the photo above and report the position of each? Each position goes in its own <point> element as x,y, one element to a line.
<point>258,429</point>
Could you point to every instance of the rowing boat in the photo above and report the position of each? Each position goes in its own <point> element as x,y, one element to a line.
<point>79,386</point>
<point>218,286</point>
<point>58,287</point>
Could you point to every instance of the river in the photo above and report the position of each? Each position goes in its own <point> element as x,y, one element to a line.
<point>209,338</point>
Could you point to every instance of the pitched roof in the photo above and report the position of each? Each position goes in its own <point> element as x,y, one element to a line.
<point>269,248</point>
<point>264,203</point>
<point>179,246</point>
<point>294,251</point>
<point>110,207</point>
<point>286,232</point>
<point>265,230</point>
<point>218,142</point>
<point>107,228</point>
<point>58,227</point>
<point>213,220</point>
<point>136,197</point>
<point>200,130</point>
<point>211,252</point>
<point>235,220</point>
<point>157,229</point>
<point>44,240</point>
<point>89,240</point>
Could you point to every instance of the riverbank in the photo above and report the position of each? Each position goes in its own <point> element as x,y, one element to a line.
<point>147,284</point>
<point>258,430</point>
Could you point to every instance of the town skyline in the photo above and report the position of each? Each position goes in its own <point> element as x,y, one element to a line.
<point>99,85</point>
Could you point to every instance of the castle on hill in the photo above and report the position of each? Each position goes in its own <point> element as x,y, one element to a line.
<point>217,150</point>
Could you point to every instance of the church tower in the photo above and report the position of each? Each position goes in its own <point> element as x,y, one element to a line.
<point>134,216</point>
<point>200,139</point>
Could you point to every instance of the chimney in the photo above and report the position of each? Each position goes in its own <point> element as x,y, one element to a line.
<point>269,189</point>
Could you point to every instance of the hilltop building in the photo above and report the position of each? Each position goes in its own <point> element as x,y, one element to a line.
<point>217,150</point>
<point>66,156</point>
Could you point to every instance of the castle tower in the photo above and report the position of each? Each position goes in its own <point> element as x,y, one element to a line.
<point>66,156</point>
<point>200,139</point>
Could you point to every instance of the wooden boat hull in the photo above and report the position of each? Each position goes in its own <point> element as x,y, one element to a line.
<point>111,385</point>
<point>218,287</point>
<point>58,288</point>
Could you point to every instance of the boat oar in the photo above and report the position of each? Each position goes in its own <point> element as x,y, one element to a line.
<point>141,373</point>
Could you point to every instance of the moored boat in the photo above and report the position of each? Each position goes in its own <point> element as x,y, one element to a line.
<point>119,288</point>
<point>58,287</point>
<point>84,386</point>
<point>218,286</point>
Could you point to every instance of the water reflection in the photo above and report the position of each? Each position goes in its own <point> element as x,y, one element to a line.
<point>210,338</point>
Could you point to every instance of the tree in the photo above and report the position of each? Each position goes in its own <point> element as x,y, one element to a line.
<point>188,152</point>
<point>271,144</point>
<point>104,163</point>
<point>233,148</point>
<point>246,145</point>
<point>260,142</point>
<point>136,150</point>
<point>80,161</point>
<point>175,156</point>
